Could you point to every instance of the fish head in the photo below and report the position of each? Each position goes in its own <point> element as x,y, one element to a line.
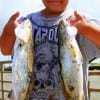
<point>66,32</point>
<point>62,31</point>
<point>24,31</point>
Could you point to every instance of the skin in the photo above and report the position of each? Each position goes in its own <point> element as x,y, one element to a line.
<point>8,37</point>
<point>88,30</point>
<point>53,8</point>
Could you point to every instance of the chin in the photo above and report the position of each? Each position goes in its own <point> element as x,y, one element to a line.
<point>56,10</point>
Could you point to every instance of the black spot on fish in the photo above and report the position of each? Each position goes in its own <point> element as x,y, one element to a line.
<point>20,45</point>
<point>71,88</point>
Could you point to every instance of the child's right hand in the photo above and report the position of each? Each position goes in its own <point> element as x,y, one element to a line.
<point>11,24</point>
<point>8,37</point>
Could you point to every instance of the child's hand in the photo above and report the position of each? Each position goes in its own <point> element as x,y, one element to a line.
<point>11,24</point>
<point>8,35</point>
<point>79,22</point>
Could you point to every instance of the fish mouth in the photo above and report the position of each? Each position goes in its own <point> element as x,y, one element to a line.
<point>63,22</point>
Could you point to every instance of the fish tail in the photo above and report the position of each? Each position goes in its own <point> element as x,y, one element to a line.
<point>65,88</point>
<point>29,89</point>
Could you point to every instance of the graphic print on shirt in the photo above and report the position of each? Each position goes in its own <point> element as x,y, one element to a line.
<point>46,69</point>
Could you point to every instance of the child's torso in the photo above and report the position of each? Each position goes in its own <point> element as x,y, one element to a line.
<point>46,71</point>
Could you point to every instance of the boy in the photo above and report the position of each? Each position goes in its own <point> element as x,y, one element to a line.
<point>44,23</point>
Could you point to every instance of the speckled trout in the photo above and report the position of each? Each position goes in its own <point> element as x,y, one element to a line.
<point>22,63</point>
<point>71,62</point>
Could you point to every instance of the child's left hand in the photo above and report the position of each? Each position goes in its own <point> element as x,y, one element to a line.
<point>79,22</point>
<point>86,29</point>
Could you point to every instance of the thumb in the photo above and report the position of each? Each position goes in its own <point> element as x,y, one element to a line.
<point>77,15</point>
<point>15,16</point>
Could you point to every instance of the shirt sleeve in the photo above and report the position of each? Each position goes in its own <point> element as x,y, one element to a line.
<point>89,49</point>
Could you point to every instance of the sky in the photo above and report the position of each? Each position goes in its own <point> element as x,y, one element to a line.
<point>92,7</point>
<point>9,7</point>
<point>23,6</point>
<point>27,6</point>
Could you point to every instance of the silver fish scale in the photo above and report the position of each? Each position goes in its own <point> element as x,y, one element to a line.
<point>22,61</point>
<point>71,62</point>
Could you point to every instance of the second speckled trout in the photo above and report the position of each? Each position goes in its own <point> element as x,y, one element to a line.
<point>71,62</point>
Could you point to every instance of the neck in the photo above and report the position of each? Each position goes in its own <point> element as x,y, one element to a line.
<point>49,14</point>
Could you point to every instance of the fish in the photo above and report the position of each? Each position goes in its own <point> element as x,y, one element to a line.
<point>71,61</point>
<point>23,61</point>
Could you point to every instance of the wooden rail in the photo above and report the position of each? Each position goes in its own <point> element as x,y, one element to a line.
<point>91,89</point>
<point>3,71</point>
<point>92,73</point>
<point>3,81</point>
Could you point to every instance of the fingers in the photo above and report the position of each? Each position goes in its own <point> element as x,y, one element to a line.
<point>78,16</point>
<point>15,16</point>
<point>76,19</point>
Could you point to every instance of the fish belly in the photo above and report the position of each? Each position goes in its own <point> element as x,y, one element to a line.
<point>22,65</point>
<point>71,62</point>
<point>72,73</point>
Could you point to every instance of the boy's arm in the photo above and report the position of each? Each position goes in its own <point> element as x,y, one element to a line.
<point>90,31</point>
<point>8,37</point>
